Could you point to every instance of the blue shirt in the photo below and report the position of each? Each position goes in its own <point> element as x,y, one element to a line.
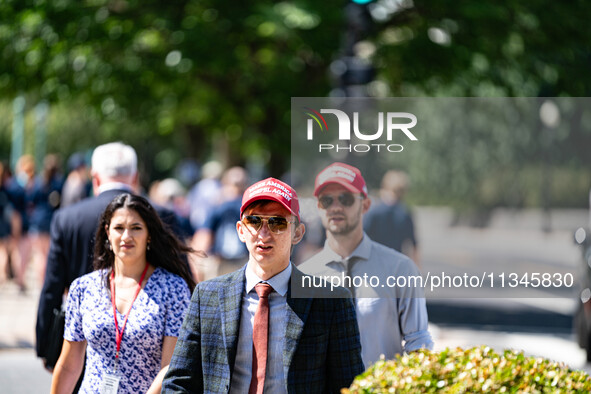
<point>221,221</point>
<point>391,320</point>
<point>274,378</point>
<point>390,225</point>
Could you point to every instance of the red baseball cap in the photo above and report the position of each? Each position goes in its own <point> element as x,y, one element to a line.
<point>343,174</point>
<point>275,190</point>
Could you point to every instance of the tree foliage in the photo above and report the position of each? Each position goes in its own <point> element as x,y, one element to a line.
<point>204,71</point>
<point>188,77</point>
<point>499,48</point>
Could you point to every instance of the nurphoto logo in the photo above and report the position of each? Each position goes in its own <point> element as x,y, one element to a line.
<point>394,127</point>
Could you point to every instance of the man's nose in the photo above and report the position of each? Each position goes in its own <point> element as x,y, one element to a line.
<point>264,231</point>
<point>336,206</point>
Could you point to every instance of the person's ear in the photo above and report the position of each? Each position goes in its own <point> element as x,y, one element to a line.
<point>96,183</point>
<point>298,234</point>
<point>365,204</point>
<point>240,230</point>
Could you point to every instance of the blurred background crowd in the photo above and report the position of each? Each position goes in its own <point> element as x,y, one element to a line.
<point>207,207</point>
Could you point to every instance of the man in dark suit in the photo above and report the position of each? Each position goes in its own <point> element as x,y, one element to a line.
<point>312,344</point>
<point>114,171</point>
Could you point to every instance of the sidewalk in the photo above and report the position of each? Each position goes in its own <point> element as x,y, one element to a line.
<point>18,314</point>
<point>20,370</point>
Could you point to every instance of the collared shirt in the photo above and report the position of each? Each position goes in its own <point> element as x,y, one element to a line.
<point>274,378</point>
<point>392,319</point>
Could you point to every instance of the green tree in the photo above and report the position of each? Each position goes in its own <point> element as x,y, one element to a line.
<point>185,77</point>
<point>209,73</point>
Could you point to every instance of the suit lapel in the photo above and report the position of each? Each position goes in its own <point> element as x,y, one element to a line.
<point>230,302</point>
<point>298,310</point>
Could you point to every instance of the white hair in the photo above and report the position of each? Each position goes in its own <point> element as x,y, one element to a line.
<point>114,159</point>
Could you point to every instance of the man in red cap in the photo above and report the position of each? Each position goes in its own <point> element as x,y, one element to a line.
<point>244,332</point>
<point>392,319</point>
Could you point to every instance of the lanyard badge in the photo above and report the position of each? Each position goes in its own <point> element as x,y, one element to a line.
<point>118,333</point>
<point>110,384</point>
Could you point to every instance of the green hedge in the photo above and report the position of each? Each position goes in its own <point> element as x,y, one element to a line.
<point>479,369</point>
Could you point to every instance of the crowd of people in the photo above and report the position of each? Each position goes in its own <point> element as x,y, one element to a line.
<point>28,200</point>
<point>114,257</point>
<point>205,211</point>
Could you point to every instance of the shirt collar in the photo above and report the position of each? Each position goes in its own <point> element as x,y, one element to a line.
<point>114,186</point>
<point>362,251</point>
<point>279,282</point>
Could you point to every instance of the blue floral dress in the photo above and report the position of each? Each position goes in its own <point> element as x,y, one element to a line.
<point>157,312</point>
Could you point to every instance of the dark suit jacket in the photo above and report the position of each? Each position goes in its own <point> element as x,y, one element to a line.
<point>322,352</point>
<point>71,253</point>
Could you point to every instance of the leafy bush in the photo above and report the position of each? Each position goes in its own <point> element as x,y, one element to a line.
<point>479,369</point>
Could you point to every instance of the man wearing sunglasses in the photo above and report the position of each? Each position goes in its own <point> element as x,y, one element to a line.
<point>391,319</point>
<point>244,332</point>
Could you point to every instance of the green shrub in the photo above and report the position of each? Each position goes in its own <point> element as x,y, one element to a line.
<point>479,369</point>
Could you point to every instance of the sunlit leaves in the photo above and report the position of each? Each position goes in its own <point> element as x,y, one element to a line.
<point>478,369</point>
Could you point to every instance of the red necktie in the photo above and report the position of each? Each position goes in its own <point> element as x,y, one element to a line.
<point>260,335</point>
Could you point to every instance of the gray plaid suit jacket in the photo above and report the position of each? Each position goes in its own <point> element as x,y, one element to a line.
<point>322,351</point>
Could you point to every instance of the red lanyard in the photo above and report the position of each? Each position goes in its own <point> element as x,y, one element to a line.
<point>119,334</point>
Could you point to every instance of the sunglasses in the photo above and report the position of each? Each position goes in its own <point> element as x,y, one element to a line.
<point>276,224</point>
<point>345,199</point>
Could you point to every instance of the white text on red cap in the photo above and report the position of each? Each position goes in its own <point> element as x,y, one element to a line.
<point>271,187</point>
<point>340,172</point>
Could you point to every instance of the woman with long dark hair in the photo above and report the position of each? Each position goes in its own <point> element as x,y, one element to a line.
<point>125,315</point>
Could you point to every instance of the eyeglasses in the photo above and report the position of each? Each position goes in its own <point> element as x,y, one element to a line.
<point>276,224</point>
<point>345,199</point>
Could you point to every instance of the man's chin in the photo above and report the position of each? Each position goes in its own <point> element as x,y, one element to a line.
<point>263,258</point>
<point>340,230</point>
<point>269,261</point>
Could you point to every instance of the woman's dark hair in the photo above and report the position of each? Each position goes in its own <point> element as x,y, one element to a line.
<point>165,250</point>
